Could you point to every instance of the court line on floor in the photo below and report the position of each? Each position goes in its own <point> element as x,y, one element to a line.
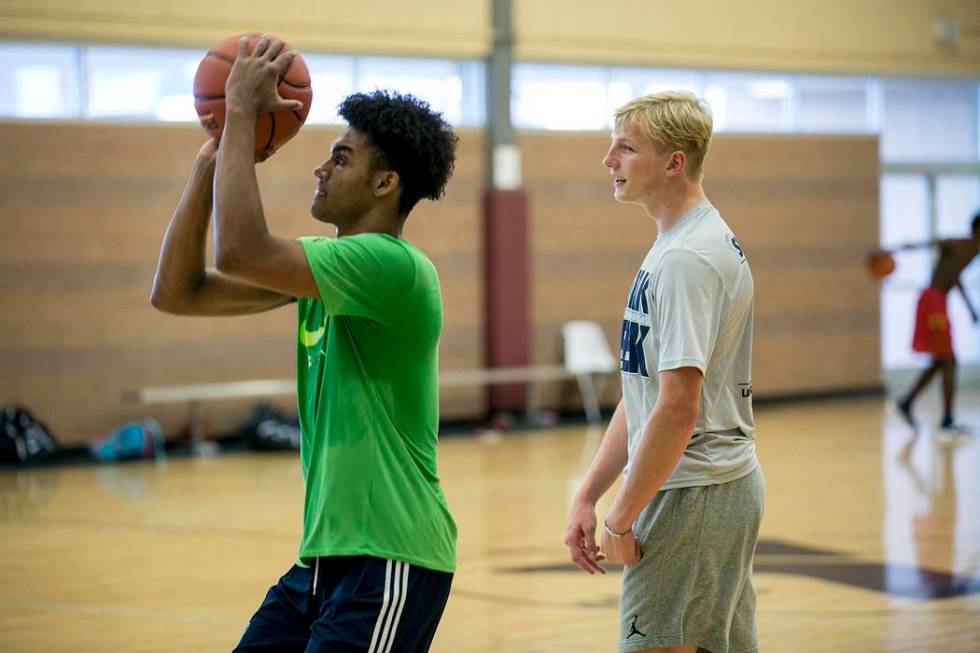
<point>114,610</point>
<point>172,529</point>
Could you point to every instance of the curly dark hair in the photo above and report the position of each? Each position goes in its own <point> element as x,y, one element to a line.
<point>409,138</point>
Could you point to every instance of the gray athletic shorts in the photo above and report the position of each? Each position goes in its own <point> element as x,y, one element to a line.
<point>694,582</point>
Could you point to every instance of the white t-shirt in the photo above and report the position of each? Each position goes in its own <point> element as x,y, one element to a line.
<point>690,305</point>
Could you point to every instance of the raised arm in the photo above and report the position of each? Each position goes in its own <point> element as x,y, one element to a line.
<point>182,284</point>
<point>941,243</point>
<point>243,246</point>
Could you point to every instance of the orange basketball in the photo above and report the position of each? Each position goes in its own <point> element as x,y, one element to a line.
<point>272,130</point>
<point>881,264</point>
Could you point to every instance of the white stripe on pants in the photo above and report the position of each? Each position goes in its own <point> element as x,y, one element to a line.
<point>396,589</point>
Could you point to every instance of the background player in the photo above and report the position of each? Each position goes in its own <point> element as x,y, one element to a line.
<point>933,332</point>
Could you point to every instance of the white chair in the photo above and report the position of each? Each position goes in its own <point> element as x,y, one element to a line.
<point>587,352</point>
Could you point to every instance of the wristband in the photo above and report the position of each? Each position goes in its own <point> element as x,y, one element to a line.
<point>614,533</point>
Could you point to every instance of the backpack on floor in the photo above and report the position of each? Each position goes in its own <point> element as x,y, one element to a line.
<point>132,441</point>
<point>271,430</point>
<point>22,437</point>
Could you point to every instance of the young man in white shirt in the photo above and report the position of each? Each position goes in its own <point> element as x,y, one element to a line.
<point>686,519</point>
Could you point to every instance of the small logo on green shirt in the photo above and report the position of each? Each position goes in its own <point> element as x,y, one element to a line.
<point>309,338</point>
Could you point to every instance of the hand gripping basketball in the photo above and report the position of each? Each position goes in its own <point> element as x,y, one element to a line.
<point>254,78</point>
<point>281,107</point>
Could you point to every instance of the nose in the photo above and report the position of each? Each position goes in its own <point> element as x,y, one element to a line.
<point>607,160</point>
<point>320,172</point>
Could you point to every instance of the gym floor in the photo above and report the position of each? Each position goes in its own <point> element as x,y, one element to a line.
<point>871,542</point>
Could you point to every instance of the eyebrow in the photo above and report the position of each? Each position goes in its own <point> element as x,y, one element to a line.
<point>340,147</point>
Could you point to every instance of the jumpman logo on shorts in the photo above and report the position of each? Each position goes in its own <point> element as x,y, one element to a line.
<point>633,630</point>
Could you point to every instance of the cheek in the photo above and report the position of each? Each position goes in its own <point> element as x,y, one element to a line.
<point>630,171</point>
<point>340,187</point>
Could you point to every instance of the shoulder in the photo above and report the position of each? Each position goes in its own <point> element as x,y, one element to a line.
<point>410,250</point>
<point>715,241</point>
<point>685,262</point>
<point>707,233</point>
<point>960,244</point>
<point>370,259</point>
<point>389,246</point>
<point>357,241</point>
<point>380,248</point>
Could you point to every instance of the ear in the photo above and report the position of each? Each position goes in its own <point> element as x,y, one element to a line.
<point>385,182</point>
<point>676,163</point>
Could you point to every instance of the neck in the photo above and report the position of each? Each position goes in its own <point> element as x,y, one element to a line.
<point>668,208</point>
<point>373,222</point>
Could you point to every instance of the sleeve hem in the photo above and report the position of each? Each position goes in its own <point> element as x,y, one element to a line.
<point>677,363</point>
<point>307,243</point>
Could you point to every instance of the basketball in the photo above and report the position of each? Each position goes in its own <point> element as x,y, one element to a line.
<point>881,264</point>
<point>272,130</point>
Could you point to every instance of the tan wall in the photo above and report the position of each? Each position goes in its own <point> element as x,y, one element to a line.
<point>878,36</point>
<point>805,209</point>
<point>84,207</point>
<point>881,36</point>
<point>434,27</point>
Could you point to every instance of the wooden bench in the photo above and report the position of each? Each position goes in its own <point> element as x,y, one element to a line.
<point>196,395</point>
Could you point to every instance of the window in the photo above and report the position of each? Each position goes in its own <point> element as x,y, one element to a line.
<point>750,101</point>
<point>929,120</point>
<point>957,201</point>
<point>332,78</point>
<point>38,80</point>
<point>439,82</point>
<point>551,96</point>
<point>141,83</point>
<point>833,104</point>
<point>904,221</point>
<point>628,83</point>
<point>129,83</point>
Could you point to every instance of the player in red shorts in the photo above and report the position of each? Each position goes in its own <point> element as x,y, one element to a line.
<point>932,327</point>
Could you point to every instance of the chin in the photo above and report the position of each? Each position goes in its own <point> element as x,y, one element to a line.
<point>318,214</point>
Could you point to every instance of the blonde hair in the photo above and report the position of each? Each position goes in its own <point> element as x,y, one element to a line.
<point>673,120</point>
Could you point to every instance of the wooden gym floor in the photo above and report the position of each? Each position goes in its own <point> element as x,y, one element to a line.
<point>871,542</point>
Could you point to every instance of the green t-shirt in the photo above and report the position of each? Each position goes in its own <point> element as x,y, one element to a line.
<point>368,393</point>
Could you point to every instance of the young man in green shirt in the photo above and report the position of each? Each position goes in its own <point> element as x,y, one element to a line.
<point>377,553</point>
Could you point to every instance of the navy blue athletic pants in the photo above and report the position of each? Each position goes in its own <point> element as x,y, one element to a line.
<point>350,604</point>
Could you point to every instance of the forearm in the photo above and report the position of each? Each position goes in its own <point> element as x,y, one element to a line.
<point>182,284</point>
<point>966,299</point>
<point>181,266</point>
<point>240,225</point>
<point>913,246</point>
<point>609,461</point>
<point>665,436</point>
